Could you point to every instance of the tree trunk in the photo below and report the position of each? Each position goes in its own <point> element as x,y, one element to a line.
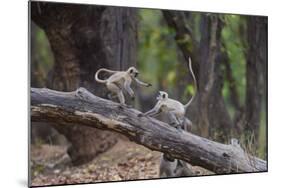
<point>212,119</point>
<point>255,76</point>
<point>82,108</point>
<point>83,39</point>
<point>233,95</point>
<point>184,36</point>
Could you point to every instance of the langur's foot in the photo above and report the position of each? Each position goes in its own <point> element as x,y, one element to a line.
<point>121,106</point>
<point>140,115</point>
<point>174,124</point>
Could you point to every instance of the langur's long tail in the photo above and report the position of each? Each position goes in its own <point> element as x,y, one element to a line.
<point>195,84</point>
<point>100,70</point>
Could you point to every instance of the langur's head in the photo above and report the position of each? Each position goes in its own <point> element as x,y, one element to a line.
<point>133,72</point>
<point>234,141</point>
<point>162,95</point>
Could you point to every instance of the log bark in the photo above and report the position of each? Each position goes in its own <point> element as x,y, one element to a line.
<point>82,108</point>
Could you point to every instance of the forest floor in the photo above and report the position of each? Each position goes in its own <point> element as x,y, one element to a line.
<point>124,161</point>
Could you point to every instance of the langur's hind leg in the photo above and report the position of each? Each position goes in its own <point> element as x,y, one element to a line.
<point>116,90</point>
<point>187,125</point>
<point>173,120</point>
<point>111,96</point>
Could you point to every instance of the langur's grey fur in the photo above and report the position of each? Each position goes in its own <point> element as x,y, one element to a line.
<point>119,81</point>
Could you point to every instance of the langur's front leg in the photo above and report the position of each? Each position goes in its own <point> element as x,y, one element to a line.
<point>142,83</point>
<point>153,112</point>
<point>115,89</point>
<point>129,89</point>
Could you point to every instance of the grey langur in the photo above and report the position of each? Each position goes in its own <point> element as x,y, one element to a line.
<point>235,142</point>
<point>120,80</point>
<point>167,167</point>
<point>170,167</point>
<point>173,108</point>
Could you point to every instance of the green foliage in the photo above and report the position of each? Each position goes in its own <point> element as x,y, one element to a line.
<point>41,56</point>
<point>232,38</point>
<point>189,90</point>
<point>157,55</point>
<point>37,169</point>
<point>44,52</point>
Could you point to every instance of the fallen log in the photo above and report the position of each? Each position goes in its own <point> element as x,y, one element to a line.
<point>81,107</point>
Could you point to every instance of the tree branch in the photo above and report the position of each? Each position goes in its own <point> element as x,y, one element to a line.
<point>83,108</point>
<point>184,36</point>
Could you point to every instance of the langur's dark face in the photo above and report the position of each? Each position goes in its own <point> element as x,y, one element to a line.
<point>136,74</point>
<point>133,72</point>
<point>162,95</point>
